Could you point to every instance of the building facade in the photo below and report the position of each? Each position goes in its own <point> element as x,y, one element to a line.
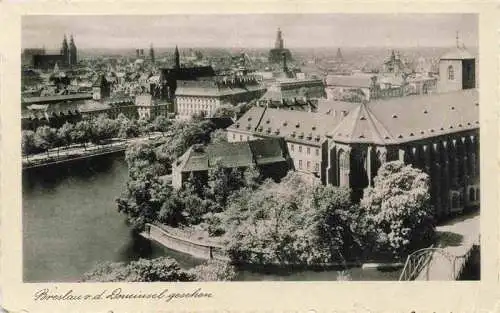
<point>205,96</point>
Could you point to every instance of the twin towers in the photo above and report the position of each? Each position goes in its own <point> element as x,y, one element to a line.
<point>69,52</point>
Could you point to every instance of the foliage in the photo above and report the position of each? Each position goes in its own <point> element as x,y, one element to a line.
<point>218,136</point>
<point>159,269</point>
<point>65,133</point>
<point>82,133</point>
<point>142,270</point>
<point>225,110</point>
<point>397,210</point>
<point>46,138</point>
<point>288,222</point>
<point>214,270</point>
<point>103,128</point>
<point>28,142</point>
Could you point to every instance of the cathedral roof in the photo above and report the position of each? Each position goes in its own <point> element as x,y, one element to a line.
<point>381,122</point>
<point>411,118</point>
<point>457,54</point>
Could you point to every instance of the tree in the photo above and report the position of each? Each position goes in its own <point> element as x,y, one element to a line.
<point>225,110</point>
<point>81,133</point>
<point>103,128</point>
<point>28,142</point>
<point>159,269</point>
<point>397,209</point>
<point>142,270</point>
<point>45,138</point>
<point>214,270</point>
<point>285,222</point>
<point>162,124</point>
<point>65,134</point>
<point>218,136</point>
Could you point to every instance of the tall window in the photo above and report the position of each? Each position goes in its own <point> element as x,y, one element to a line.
<point>308,150</point>
<point>343,168</point>
<point>292,147</point>
<point>316,167</point>
<point>451,73</point>
<point>308,165</point>
<point>300,148</point>
<point>317,152</point>
<point>300,164</point>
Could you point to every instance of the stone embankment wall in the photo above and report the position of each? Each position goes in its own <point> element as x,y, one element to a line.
<point>196,249</point>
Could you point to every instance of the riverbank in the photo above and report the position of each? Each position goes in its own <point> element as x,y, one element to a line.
<point>184,241</point>
<point>78,152</point>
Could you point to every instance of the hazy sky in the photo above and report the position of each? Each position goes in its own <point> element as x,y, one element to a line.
<point>258,31</point>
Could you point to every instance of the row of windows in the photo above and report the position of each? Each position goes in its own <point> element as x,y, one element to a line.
<point>308,149</point>
<point>308,165</point>
<point>195,106</point>
<point>196,100</point>
<point>241,137</point>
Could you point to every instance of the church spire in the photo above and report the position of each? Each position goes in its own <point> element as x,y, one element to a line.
<point>177,58</point>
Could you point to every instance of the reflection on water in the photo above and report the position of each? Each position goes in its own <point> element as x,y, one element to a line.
<point>70,224</point>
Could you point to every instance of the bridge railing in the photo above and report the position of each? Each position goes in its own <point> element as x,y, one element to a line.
<point>415,263</point>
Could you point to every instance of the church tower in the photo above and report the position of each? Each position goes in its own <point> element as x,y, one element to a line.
<point>279,40</point>
<point>72,52</point>
<point>65,51</point>
<point>457,69</point>
<point>152,54</point>
<point>177,58</point>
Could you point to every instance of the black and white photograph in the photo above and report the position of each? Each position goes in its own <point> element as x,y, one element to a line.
<point>250,147</point>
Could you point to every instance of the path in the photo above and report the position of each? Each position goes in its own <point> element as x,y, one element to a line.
<point>456,239</point>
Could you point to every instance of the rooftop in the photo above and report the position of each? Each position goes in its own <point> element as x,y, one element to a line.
<point>392,121</point>
<point>232,155</point>
<point>405,119</point>
<point>457,53</point>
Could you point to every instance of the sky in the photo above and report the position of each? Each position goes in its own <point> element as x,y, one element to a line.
<point>251,31</point>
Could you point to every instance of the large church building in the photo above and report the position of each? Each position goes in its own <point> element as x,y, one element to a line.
<point>346,144</point>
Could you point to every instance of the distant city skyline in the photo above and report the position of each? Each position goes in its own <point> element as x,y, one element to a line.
<point>251,30</point>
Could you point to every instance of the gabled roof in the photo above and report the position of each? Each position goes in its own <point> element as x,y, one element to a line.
<point>300,126</point>
<point>457,54</point>
<point>382,122</point>
<point>405,119</point>
<point>233,154</point>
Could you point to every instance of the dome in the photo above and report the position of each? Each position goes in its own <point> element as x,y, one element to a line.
<point>457,54</point>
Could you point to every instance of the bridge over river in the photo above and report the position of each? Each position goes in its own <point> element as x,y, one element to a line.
<point>458,243</point>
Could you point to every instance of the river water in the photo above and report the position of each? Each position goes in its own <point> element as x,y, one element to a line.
<point>70,224</point>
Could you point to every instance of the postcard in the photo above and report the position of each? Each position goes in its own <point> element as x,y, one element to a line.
<point>248,157</point>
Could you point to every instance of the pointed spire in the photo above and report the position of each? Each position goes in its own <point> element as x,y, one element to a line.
<point>457,41</point>
<point>177,58</point>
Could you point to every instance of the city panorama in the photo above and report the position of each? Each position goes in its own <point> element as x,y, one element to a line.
<point>298,147</point>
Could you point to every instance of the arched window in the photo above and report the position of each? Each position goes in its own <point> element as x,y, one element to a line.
<point>451,73</point>
<point>343,168</point>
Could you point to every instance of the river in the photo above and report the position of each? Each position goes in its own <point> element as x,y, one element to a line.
<point>70,224</point>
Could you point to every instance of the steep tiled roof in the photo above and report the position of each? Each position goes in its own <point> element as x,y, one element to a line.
<point>391,121</point>
<point>457,54</point>
<point>234,154</point>
<point>300,126</point>
<point>410,118</point>
<point>334,107</point>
